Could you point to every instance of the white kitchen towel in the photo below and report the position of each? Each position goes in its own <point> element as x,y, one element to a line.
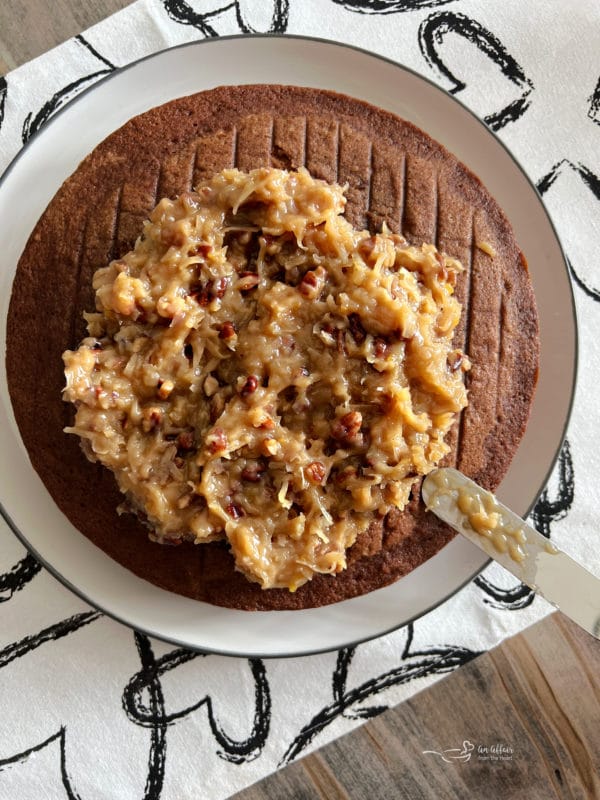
<point>91,709</point>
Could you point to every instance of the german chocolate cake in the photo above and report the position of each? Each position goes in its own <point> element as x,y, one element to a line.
<point>329,218</point>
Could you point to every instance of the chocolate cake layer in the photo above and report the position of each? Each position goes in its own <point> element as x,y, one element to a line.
<point>395,175</point>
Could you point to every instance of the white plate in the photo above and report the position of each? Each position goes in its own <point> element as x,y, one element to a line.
<point>53,155</point>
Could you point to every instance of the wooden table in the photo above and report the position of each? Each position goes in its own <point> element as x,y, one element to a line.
<point>537,693</point>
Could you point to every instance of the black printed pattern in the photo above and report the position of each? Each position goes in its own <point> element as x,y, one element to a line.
<point>594,101</point>
<point>388,6</point>
<point>3,91</point>
<point>155,716</point>
<point>548,509</point>
<point>32,123</point>
<point>345,701</point>
<point>21,649</point>
<point>144,699</point>
<point>182,12</point>
<point>145,703</point>
<point>279,19</point>
<point>590,285</point>
<point>434,31</point>
<point>18,577</point>
<point>50,634</point>
<point>18,758</point>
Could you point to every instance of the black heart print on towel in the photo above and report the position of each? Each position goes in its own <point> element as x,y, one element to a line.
<point>432,34</point>
<point>388,6</point>
<point>18,577</point>
<point>594,100</point>
<point>3,91</point>
<point>65,779</point>
<point>182,12</point>
<point>144,703</point>
<point>156,715</point>
<point>248,18</point>
<point>32,123</point>
<point>582,191</point>
<point>348,702</point>
<point>21,649</point>
<point>550,509</point>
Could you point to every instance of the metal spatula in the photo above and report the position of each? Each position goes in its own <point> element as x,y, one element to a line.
<point>514,544</point>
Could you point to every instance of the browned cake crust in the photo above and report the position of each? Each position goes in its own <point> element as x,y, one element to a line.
<point>396,174</point>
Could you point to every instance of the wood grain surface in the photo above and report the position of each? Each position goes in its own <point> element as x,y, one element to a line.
<point>537,694</point>
<point>29,28</point>
<point>537,697</point>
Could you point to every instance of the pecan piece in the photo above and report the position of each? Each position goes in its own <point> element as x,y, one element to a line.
<point>234,510</point>
<point>200,250</point>
<point>186,440</point>
<point>356,328</point>
<point>312,283</point>
<point>250,386</point>
<point>345,475</point>
<point>201,293</point>
<point>219,287</point>
<point>315,472</point>
<point>205,293</point>
<point>252,472</point>
<point>216,441</point>
<point>347,428</point>
<point>227,330</point>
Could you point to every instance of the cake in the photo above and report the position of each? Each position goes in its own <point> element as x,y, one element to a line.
<point>396,177</point>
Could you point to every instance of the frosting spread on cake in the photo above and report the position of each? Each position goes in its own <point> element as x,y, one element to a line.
<point>258,370</point>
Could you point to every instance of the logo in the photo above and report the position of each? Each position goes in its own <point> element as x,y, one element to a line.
<point>483,752</point>
<point>453,754</point>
